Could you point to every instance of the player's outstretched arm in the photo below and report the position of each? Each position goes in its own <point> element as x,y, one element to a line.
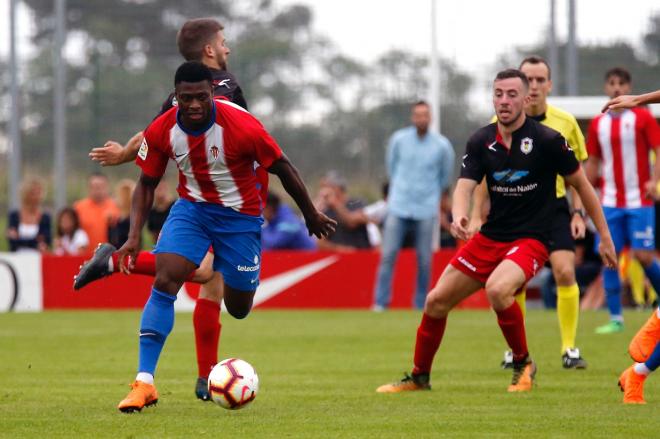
<point>113,154</point>
<point>590,200</point>
<point>317,223</point>
<point>460,209</point>
<point>630,101</point>
<point>143,199</point>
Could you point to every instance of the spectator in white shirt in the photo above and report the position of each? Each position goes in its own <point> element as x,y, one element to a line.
<point>71,239</point>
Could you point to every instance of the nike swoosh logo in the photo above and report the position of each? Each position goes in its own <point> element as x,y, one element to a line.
<point>269,287</point>
<point>273,286</point>
<point>180,155</point>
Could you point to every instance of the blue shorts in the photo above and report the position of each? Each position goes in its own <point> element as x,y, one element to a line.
<point>191,228</point>
<point>631,227</point>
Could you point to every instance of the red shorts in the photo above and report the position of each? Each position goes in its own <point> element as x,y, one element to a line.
<point>480,256</point>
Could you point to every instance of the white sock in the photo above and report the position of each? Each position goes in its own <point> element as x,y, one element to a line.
<point>657,312</point>
<point>641,369</point>
<point>145,377</point>
<point>111,266</point>
<point>618,318</point>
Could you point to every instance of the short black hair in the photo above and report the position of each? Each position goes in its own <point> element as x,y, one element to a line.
<point>192,71</point>
<point>512,73</point>
<point>620,73</point>
<point>535,59</point>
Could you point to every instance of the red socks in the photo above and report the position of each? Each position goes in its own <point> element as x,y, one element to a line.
<point>206,320</point>
<point>145,263</point>
<point>429,336</point>
<point>512,323</point>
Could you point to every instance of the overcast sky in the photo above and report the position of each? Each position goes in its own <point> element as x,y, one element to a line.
<point>471,32</point>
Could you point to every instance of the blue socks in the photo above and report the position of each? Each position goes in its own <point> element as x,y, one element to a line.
<point>157,322</point>
<point>612,285</point>
<point>654,360</point>
<point>653,274</point>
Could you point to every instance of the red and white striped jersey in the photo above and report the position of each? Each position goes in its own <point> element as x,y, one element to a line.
<point>217,164</point>
<point>624,141</point>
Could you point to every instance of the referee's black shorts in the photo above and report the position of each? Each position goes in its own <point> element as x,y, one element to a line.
<point>560,237</point>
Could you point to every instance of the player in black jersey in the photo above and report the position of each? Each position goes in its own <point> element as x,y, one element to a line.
<point>520,159</point>
<point>203,40</point>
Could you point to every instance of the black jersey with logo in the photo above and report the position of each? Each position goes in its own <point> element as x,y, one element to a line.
<point>521,180</point>
<point>224,84</point>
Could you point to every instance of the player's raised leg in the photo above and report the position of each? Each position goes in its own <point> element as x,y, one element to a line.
<point>452,287</point>
<point>104,263</point>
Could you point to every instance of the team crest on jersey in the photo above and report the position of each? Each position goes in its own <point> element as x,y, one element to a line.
<point>215,151</point>
<point>144,149</point>
<point>526,145</point>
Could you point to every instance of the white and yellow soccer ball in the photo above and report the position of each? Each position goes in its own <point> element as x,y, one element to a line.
<point>233,383</point>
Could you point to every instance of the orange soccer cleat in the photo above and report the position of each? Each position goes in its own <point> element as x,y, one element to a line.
<point>141,395</point>
<point>523,377</point>
<point>643,343</point>
<point>407,384</point>
<point>632,386</point>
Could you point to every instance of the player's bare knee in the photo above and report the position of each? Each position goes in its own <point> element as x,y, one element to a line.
<point>238,312</point>
<point>166,284</point>
<point>564,274</point>
<point>436,305</point>
<point>498,291</point>
<point>645,257</point>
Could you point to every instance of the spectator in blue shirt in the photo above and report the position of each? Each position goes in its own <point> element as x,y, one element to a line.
<point>420,164</point>
<point>283,229</point>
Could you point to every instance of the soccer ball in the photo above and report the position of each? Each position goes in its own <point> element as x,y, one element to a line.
<point>233,383</point>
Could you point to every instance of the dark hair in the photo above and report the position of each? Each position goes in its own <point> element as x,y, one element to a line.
<point>535,59</point>
<point>194,35</point>
<point>273,200</point>
<point>420,102</point>
<point>620,73</point>
<point>192,71</point>
<point>74,216</point>
<point>385,189</point>
<point>512,73</point>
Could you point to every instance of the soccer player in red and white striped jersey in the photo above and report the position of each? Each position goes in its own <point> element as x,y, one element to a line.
<point>619,143</point>
<point>215,145</point>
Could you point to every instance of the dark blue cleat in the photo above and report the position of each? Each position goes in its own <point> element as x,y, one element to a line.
<point>202,389</point>
<point>96,268</point>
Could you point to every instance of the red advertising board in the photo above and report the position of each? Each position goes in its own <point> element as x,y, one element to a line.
<point>289,279</point>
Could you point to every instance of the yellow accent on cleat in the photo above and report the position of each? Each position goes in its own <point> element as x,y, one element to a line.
<point>523,379</point>
<point>643,343</point>
<point>141,395</point>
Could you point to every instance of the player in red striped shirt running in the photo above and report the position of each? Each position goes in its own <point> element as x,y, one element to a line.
<point>619,144</point>
<point>215,145</point>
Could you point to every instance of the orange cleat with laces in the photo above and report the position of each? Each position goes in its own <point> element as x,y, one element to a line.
<point>141,395</point>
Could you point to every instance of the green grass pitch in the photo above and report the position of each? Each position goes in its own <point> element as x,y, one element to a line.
<point>62,374</point>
